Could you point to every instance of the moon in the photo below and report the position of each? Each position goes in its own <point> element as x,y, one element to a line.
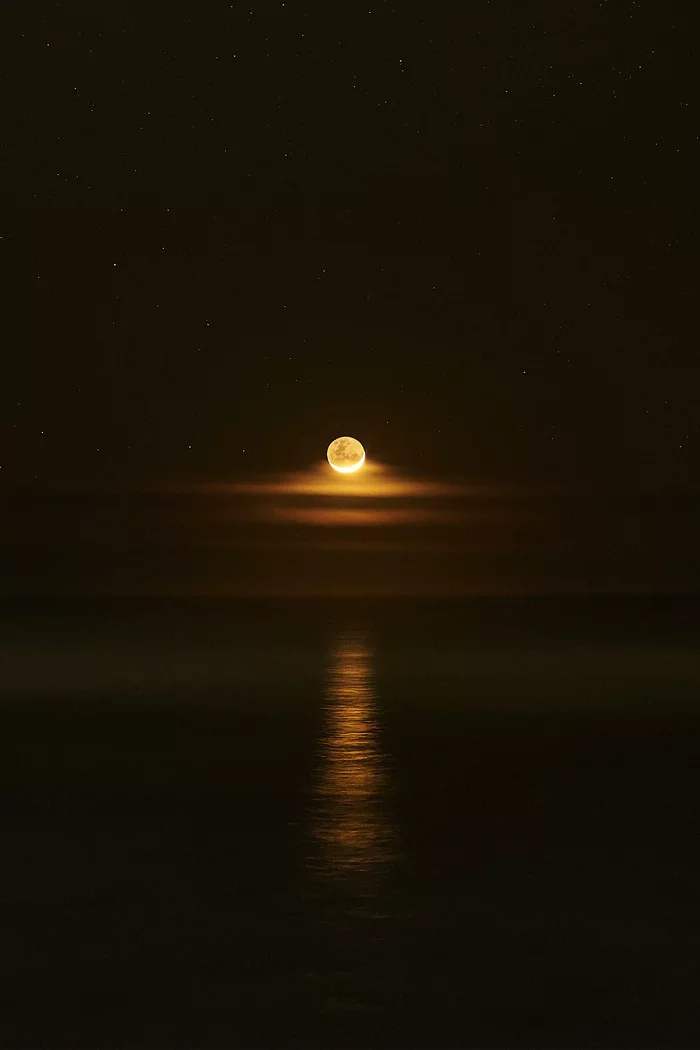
<point>345,455</point>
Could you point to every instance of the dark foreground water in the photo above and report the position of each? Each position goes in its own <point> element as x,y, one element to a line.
<point>350,825</point>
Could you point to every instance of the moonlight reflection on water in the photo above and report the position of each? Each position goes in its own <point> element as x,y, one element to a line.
<point>352,832</point>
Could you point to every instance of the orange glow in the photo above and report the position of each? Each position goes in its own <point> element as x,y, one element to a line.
<point>374,480</point>
<point>322,497</point>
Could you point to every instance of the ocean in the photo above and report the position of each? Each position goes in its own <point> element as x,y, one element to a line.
<point>350,823</point>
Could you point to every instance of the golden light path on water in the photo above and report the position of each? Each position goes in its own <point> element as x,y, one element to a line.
<point>350,824</point>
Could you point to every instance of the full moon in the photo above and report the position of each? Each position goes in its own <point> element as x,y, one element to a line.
<point>346,454</point>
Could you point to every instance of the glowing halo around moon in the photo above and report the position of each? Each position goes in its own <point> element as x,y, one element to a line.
<point>345,455</point>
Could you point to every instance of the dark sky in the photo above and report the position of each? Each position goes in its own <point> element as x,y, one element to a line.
<point>466,236</point>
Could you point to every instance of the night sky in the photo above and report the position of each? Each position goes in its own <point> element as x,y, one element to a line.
<point>465,237</point>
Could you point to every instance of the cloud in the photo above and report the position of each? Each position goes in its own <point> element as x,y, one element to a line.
<point>313,533</point>
<point>320,497</point>
<point>357,516</point>
<point>374,480</point>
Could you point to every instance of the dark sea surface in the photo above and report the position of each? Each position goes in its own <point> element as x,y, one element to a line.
<point>350,824</point>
